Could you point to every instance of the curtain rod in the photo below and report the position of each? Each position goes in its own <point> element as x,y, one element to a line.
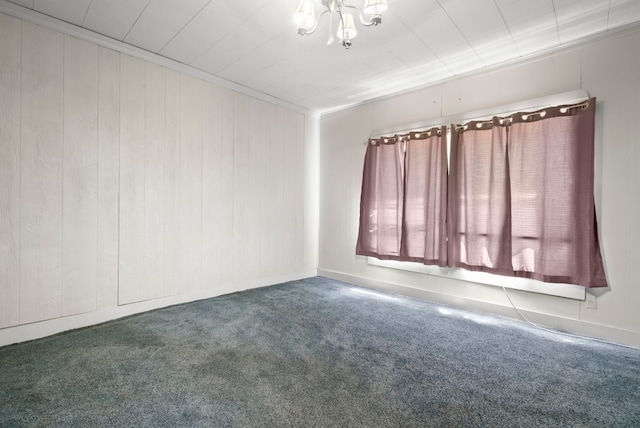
<point>542,112</point>
<point>398,137</point>
<point>578,95</point>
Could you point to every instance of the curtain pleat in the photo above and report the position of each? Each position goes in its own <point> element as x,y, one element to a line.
<point>381,200</point>
<point>424,224</point>
<point>479,230</point>
<point>554,232</point>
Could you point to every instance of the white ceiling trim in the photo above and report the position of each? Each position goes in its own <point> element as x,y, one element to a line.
<point>567,46</point>
<point>46,21</point>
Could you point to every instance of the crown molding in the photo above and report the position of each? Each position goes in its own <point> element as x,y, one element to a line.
<point>46,21</point>
<point>612,33</point>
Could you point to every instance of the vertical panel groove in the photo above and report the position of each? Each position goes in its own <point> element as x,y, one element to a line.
<point>41,195</point>
<point>10,168</point>
<point>119,180</point>
<point>80,176</point>
<point>62,178</point>
<point>98,175</point>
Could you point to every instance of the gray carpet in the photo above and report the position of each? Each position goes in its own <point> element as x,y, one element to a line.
<point>317,353</point>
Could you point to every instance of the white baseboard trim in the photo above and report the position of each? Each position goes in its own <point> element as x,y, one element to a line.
<point>37,330</point>
<point>568,291</point>
<point>553,322</point>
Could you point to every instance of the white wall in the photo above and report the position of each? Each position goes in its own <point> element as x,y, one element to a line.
<point>125,185</point>
<point>608,69</point>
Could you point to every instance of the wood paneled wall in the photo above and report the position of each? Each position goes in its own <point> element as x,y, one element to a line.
<point>123,181</point>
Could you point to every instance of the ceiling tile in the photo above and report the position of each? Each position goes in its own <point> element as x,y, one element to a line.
<point>215,59</point>
<point>462,61</point>
<point>581,19</point>
<point>401,78</point>
<point>251,67</point>
<point>113,18</point>
<point>249,8</point>
<point>399,39</point>
<point>440,34</point>
<point>72,11</point>
<point>546,23</point>
<point>244,39</point>
<point>25,3</point>
<point>162,20</point>
<point>281,70</point>
<point>475,19</point>
<point>433,71</point>
<point>623,12</point>
<point>268,22</point>
<point>516,12</point>
<point>560,4</point>
<point>530,42</point>
<point>213,23</point>
<point>412,13</point>
<point>495,48</point>
<point>228,50</point>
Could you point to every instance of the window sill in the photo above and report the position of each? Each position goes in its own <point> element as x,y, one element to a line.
<point>569,291</point>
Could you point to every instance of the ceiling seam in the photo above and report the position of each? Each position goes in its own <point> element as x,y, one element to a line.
<point>436,56</point>
<point>136,21</point>
<point>235,61</point>
<point>86,13</point>
<point>461,33</point>
<point>225,36</point>
<point>185,25</point>
<point>507,27</point>
<point>555,14</point>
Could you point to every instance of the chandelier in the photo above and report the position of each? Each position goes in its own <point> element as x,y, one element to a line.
<point>307,21</point>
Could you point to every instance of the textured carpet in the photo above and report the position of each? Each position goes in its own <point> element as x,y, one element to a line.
<point>319,353</point>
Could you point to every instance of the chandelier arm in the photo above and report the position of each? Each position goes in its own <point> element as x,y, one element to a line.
<point>345,42</point>
<point>361,16</point>
<point>330,39</point>
<point>315,24</point>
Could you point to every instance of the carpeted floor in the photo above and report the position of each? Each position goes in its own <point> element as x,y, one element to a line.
<point>317,353</point>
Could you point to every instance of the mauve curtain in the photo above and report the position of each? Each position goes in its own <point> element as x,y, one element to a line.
<point>479,198</point>
<point>554,231</point>
<point>403,199</point>
<point>425,189</point>
<point>521,196</point>
<point>381,199</point>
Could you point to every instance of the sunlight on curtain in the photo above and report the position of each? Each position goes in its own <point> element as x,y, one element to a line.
<point>521,196</point>
<point>424,221</point>
<point>381,202</point>
<point>479,198</point>
<point>403,205</point>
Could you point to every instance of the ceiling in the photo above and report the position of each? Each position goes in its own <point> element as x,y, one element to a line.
<point>254,43</point>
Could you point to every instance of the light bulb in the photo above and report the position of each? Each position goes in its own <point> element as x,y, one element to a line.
<point>347,29</point>
<point>375,7</point>
<point>305,16</point>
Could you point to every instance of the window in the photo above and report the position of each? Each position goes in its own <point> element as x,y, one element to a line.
<point>519,199</point>
<point>521,196</point>
<point>382,199</point>
<point>403,200</point>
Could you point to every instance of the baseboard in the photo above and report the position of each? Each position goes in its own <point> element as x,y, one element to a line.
<point>568,291</point>
<point>561,324</point>
<point>37,330</point>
